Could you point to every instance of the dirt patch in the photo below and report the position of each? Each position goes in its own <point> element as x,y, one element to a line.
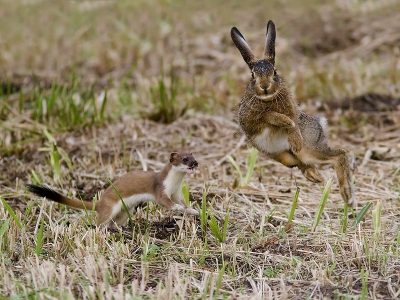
<point>378,110</point>
<point>300,250</point>
<point>164,229</point>
<point>371,102</point>
<point>328,38</point>
<point>160,230</point>
<point>332,30</point>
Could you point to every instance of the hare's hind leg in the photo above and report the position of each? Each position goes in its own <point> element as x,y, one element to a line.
<point>341,163</point>
<point>309,170</point>
<point>311,173</point>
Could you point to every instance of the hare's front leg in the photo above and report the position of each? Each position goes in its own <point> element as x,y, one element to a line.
<point>295,138</point>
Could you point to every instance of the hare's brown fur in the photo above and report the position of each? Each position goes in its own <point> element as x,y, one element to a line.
<point>269,118</point>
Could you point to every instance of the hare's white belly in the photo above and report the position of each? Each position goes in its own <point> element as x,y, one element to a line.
<point>272,142</point>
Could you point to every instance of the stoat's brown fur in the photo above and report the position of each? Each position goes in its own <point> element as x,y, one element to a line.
<point>164,188</point>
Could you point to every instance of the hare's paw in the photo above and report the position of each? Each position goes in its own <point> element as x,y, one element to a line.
<point>295,146</point>
<point>348,195</point>
<point>352,202</point>
<point>313,175</point>
<point>295,141</point>
<point>287,123</point>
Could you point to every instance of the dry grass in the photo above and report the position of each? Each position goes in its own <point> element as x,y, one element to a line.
<point>106,54</point>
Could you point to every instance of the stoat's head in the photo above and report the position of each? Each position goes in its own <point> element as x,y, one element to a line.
<point>183,162</point>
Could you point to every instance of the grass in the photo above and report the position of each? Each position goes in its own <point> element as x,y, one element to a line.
<point>322,204</point>
<point>75,109</point>
<point>251,161</point>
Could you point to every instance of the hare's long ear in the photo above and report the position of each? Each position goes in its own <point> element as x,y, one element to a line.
<point>269,50</point>
<point>243,47</point>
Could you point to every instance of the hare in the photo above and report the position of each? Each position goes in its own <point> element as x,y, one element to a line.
<point>269,118</point>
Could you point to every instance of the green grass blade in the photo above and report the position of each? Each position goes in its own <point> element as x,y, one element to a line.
<point>185,193</point>
<point>376,217</point>
<point>39,240</point>
<point>123,202</point>
<point>252,158</point>
<point>103,106</point>
<point>21,100</point>
<point>4,227</point>
<point>293,208</point>
<point>203,216</point>
<point>11,212</point>
<point>225,227</point>
<point>55,162</point>
<point>236,166</point>
<point>49,137</point>
<point>322,203</point>
<point>35,177</point>
<point>218,283</point>
<point>361,214</point>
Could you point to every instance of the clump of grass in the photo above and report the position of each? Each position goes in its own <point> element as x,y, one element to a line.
<point>165,98</point>
<point>219,232</point>
<point>11,212</point>
<point>208,218</point>
<point>251,161</point>
<point>55,152</point>
<point>64,107</point>
<point>376,218</point>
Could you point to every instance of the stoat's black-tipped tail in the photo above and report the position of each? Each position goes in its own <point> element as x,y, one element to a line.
<point>45,191</point>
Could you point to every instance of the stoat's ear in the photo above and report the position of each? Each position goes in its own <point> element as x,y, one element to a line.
<point>173,156</point>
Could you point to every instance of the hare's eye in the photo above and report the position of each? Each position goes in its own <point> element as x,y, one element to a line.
<point>275,73</point>
<point>252,74</point>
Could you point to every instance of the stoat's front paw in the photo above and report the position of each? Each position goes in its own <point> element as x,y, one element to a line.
<point>192,211</point>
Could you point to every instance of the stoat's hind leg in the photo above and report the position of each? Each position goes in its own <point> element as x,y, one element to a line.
<point>107,212</point>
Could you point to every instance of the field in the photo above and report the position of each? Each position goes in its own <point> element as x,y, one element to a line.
<point>93,89</point>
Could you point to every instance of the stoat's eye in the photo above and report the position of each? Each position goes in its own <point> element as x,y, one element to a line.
<point>185,160</point>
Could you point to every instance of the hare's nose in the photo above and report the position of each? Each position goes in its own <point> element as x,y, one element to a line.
<point>265,91</point>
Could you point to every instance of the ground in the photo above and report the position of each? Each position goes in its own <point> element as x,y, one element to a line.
<point>93,89</point>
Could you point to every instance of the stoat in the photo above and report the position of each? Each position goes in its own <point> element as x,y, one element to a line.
<point>163,188</point>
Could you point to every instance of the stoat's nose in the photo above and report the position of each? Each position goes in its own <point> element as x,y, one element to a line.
<point>195,164</point>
